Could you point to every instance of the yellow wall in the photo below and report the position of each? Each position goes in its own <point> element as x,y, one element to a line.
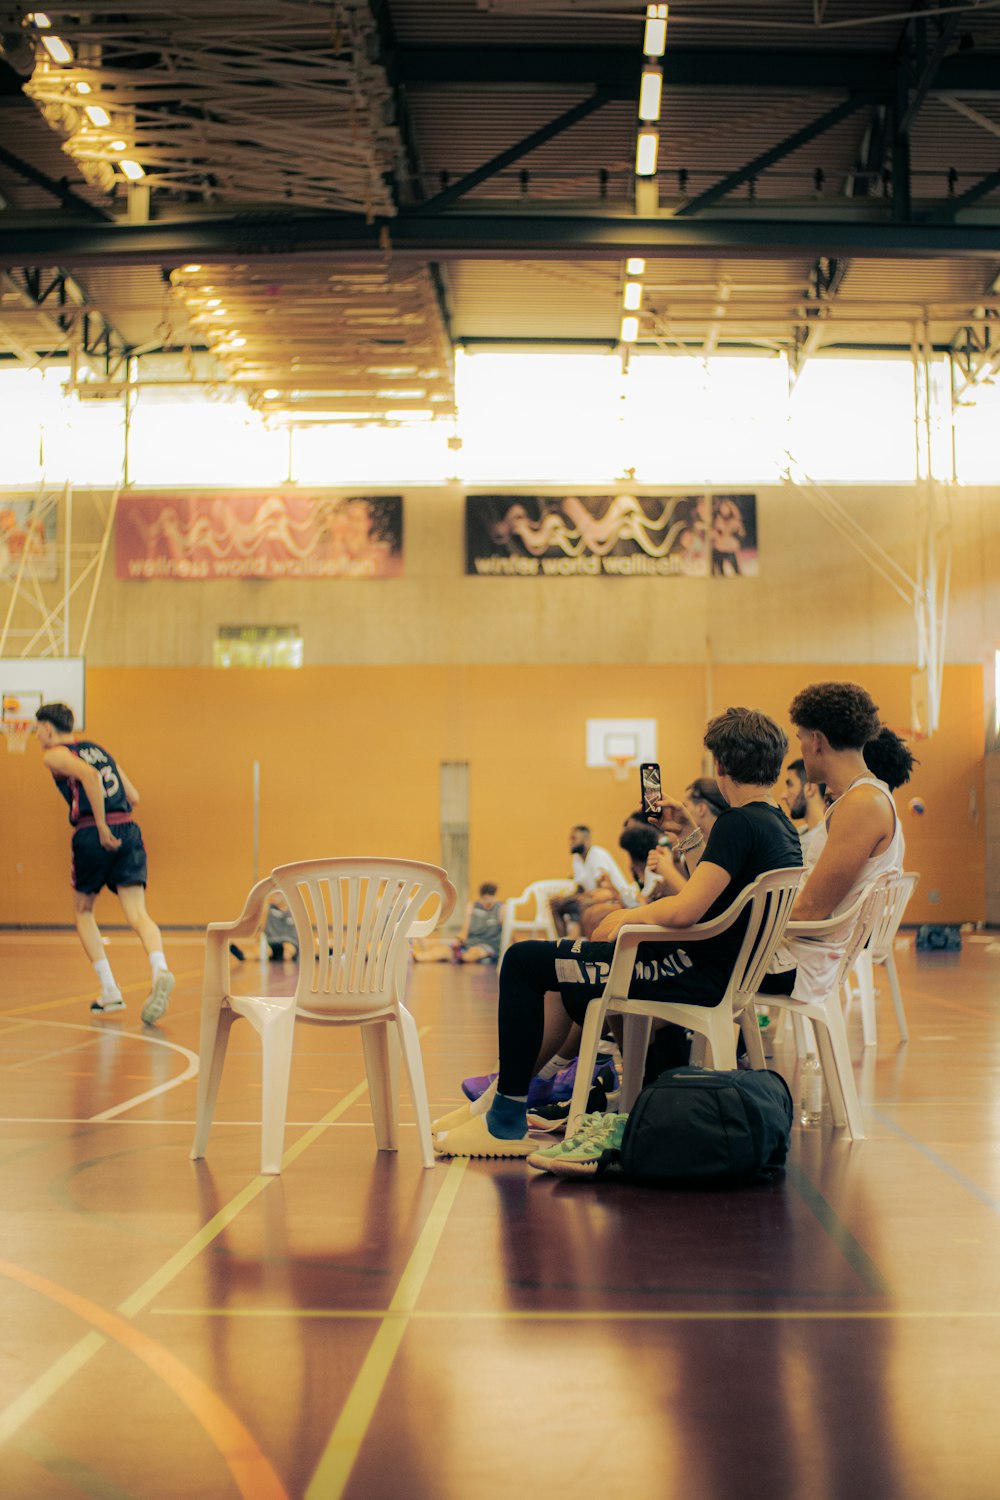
<point>350,764</point>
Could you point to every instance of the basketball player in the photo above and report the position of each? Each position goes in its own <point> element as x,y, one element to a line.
<point>107,851</point>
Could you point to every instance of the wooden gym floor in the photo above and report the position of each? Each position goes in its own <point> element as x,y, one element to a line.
<point>365,1328</point>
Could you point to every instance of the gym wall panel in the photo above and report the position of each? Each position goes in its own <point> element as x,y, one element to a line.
<point>350,763</point>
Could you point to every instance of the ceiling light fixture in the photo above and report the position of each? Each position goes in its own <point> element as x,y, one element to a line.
<point>40,19</point>
<point>654,41</point>
<point>131,169</point>
<point>632,300</point>
<point>647,147</point>
<point>82,87</point>
<point>650,93</point>
<point>635,265</point>
<point>97,114</point>
<point>629,330</point>
<point>58,50</point>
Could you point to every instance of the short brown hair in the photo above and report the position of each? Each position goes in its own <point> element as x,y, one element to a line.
<point>843,711</point>
<point>747,746</point>
<point>59,715</point>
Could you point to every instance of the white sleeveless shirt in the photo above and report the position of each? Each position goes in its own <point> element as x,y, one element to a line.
<point>816,960</point>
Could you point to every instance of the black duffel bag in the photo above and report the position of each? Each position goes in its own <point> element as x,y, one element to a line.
<point>696,1126</point>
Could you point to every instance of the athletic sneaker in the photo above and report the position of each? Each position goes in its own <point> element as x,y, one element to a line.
<point>540,1090</point>
<point>107,1003</point>
<point>552,1118</point>
<point>580,1155</point>
<point>159,997</point>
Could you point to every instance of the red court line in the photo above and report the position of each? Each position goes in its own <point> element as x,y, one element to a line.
<point>252,1473</point>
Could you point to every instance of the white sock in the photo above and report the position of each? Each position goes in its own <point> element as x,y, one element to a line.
<point>103,970</point>
<point>553,1066</point>
<point>158,963</point>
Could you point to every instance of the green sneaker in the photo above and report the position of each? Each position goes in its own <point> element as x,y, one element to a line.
<point>580,1154</point>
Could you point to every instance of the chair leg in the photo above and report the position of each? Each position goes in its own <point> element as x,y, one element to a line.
<point>897,997</point>
<point>413,1059</point>
<point>828,1062</point>
<point>216,1024</point>
<point>721,1034</point>
<point>636,1031</point>
<point>277,1032</point>
<point>866,988</point>
<point>845,1073</point>
<point>750,1030</point>
<point>593,1025</point>
<point>381,1044</point>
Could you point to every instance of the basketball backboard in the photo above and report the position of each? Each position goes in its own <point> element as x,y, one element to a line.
<point>618,741</point>
<point>28,682</point>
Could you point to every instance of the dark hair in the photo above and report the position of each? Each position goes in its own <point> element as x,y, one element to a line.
<point>799,767</point>
<point>637,840</point>
<point>843,711</point>
<point>639,816</point>
<point>889,758</point>
<point>706,789</point>
<point>747,746</point>
<point>59,715</point>
<point>580,828</point>
<point>487,888</point>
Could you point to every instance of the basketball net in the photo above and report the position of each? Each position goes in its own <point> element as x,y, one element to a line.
<point>621,763</point>
<point>16,732</point>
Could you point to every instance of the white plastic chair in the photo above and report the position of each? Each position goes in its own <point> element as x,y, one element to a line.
<point>825,1011</point>
<point>536,921</point>
<point>880,951</point>
<point>770,898</point>
<point>354,919</point>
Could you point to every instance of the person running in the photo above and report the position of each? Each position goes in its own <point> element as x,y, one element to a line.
<point>107,851</point>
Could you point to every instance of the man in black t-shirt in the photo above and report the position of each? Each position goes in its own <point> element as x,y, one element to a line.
<point>544,987</point>
<point>107,851</point>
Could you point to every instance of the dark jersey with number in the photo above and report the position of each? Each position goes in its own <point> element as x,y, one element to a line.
<point>115,800</point>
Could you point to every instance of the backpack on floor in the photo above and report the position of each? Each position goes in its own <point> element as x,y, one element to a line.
<point>697,1126</point>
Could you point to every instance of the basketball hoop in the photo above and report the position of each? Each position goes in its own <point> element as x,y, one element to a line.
<point>16,732</point>
<point>621,763</point>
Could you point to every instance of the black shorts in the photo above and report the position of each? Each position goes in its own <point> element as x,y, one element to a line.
<point>95,867</point>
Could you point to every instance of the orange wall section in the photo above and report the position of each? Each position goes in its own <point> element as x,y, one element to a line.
<point>350,763</point>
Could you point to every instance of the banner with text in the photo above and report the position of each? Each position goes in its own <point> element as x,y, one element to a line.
<point>27,539</point>
<point>197,537</point>
<point>615,536</point>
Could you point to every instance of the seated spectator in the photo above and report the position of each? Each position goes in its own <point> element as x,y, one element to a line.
<point>479,940</point>
<point>806,805</point>
<point>834,722</point>
<point>544,986</point>
<point>589,860</point>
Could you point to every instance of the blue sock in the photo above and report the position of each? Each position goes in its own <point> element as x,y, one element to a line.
<point>507,1119</point>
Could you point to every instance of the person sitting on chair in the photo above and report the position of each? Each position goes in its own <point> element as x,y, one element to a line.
<point>545,986</point>
<point>589,861</point>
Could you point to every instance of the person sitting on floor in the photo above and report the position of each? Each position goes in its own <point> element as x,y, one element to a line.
<point>479,940</point>
<point>545,986</point>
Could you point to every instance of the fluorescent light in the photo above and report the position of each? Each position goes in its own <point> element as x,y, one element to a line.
<point>237,343</point>
<point>647,146</point>
<point>190,270</point>
<point>630,330</point>
<point>97,114</point>
<point>271,393</point>
<point>650,93</point>
<point>632,299</point>
<point>635,265</point>
<point>40,19</point>
<point>119,145</point>
<point>58,50</point>
<point>214,302</point>
<point>132,170</point>
<point>82,88</point>
<point>654,41</point>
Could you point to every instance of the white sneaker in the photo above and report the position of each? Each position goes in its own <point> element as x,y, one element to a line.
<point>159,997</point>
<point>107,1002</point>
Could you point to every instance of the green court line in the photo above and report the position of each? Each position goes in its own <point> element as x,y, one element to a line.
<point>854,1253</point>
<point>63,1466</point>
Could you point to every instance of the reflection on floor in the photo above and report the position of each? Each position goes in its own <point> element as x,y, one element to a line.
<point>362,1327</point>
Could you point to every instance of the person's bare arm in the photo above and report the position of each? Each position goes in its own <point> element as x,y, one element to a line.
<point>63,762</point>
<point>683,910</point>
<point>860,825</point>
<point>675,818</point>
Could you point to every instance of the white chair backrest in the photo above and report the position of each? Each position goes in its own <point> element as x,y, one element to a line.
<point>537,897</point>
<point>771,897</point>
<point>353,918</point>
<point>870,906</point>
<point>901,888</point>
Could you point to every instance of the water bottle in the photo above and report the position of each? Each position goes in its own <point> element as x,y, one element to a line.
<point>811,1097</point>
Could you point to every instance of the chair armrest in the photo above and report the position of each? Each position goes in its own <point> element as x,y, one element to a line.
<point>632,934</point>
<point>218,936</point>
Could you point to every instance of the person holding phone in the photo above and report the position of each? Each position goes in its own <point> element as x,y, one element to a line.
<point>545,986</point>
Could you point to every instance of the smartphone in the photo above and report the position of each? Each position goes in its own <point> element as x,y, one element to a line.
<point>652,791</point>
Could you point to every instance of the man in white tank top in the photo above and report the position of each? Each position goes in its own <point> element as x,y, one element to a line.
<point>834,721</point>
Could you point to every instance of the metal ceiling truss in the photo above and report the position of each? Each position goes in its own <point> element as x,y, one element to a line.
<point>365,339</point>
<point>56,318</point>
<point>276,100</point>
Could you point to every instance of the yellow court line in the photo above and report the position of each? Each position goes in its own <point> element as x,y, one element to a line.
<point>126,989</point>
<point>334,1468</point>
<point>251,1471</point>
<point>512,1315</point>
<point>52,1380</point>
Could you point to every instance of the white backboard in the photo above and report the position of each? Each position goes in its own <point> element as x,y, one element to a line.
<point>28,682</point>
<point>608,738</point>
